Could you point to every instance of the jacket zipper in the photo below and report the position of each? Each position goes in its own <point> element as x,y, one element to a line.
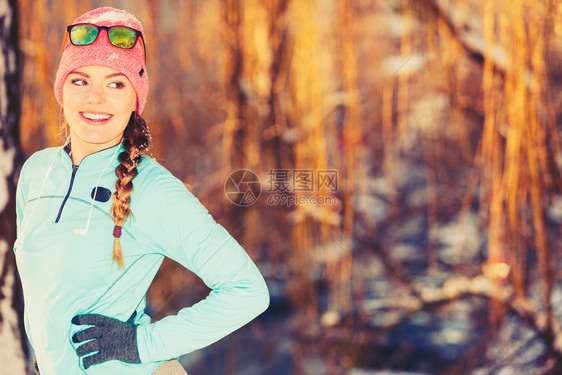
<point>74,169</point>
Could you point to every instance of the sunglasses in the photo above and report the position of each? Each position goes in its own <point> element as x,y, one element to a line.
<point>83,34</point>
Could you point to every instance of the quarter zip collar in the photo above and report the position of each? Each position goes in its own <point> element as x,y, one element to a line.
<point>94,158</point>
<point>90,164</point>
<point>74,169</point>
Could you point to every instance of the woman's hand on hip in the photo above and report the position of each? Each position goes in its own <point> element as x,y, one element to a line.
<point>109,337</point>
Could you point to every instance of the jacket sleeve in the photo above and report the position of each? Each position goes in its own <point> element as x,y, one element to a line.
<point>20,203</point>
<point>21,195</point>
<point>177,224</point>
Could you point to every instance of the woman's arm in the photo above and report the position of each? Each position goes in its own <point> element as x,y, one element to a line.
<point>183,229</point>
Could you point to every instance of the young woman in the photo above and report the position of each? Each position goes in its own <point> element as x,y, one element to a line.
<point>96,217</point>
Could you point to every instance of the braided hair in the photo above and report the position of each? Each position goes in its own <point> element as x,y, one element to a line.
<point>136,140</point>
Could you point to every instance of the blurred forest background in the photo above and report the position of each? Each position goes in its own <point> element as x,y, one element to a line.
<point>442,118</point>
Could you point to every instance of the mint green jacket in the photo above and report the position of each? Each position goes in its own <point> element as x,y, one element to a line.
<point>64,258</point>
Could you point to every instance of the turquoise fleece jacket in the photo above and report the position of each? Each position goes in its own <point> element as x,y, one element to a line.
<point>64,257</point>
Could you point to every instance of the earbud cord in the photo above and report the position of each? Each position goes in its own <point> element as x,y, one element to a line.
<point>24,227</point>
<point>83,231</point>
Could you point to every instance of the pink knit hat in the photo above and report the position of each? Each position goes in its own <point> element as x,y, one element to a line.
<point>129,62</point>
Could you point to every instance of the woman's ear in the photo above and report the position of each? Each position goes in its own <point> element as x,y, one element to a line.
<point>64,131</point>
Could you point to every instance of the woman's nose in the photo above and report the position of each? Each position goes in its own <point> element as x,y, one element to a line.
<point>96,95</point>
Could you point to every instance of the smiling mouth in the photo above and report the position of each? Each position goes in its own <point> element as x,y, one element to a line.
<point>96,117</point>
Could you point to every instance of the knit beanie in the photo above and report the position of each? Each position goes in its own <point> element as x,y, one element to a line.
<point>127,61</point>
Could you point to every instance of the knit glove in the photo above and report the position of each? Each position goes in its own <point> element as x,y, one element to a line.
<point>111,338</point>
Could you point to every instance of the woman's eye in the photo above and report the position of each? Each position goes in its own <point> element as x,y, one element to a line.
<point>117,85</point>
<point>79,82</point>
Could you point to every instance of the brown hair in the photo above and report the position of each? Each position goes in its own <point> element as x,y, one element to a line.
<point>137,140</point>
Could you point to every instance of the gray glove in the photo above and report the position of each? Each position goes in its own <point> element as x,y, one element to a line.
<point>111,338</point>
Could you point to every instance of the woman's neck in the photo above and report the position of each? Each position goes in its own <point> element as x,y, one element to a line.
<point>81,149</point>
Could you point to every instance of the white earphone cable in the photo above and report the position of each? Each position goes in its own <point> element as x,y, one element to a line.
<point>24,226</point>
<point>83,231</point>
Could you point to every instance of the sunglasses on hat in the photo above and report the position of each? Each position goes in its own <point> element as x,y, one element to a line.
<point>83,34</point>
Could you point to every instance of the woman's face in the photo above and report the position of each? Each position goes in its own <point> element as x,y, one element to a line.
<point>98,102</point>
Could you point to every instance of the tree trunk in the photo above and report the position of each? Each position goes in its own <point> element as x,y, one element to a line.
<point>12,346</point>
